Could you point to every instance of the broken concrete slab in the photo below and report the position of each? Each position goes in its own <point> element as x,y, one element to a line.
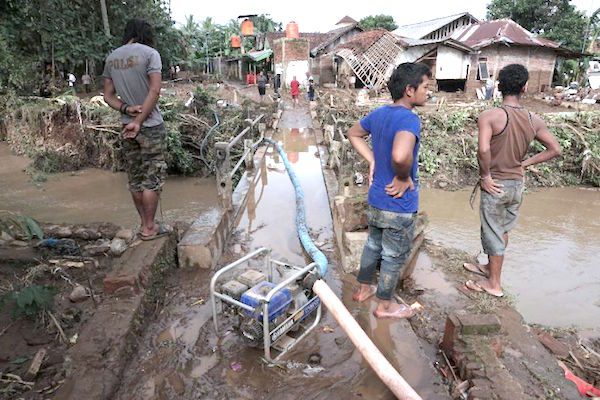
<point>478,324</point>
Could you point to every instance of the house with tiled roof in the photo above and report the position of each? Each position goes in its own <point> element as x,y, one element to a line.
<point>463,51</point>
<point>501,42</point>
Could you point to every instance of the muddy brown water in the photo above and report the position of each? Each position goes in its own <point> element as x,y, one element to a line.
<point>94,195</point>
<point>551,265</point>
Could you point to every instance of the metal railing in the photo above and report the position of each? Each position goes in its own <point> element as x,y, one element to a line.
<point>225,171</point>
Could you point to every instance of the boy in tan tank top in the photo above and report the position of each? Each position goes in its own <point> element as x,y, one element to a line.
<point>505,134</point>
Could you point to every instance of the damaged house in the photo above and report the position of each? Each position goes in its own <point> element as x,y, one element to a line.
<point>502,42</point>
<point>461,51</point>
<point>369,58</point>
<point>469,51</point>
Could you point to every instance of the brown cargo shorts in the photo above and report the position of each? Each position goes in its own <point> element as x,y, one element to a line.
<point>146,166</point>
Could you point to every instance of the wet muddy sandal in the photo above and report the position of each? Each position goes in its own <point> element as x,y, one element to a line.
<point>372,291</point>
<point>162,231</point>
<point>401,313</point>
<point>476,287</point>
<point>474,268</point>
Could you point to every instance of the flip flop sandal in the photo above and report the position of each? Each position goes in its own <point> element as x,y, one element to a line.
<point>401,313</point>
<point>474,268</point>
<point>371,294</point>
<point>162,231</point>
<point>476,287</point>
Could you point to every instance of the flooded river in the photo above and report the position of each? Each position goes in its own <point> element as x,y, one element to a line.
<point>551,265</point>
<point>94,195</point>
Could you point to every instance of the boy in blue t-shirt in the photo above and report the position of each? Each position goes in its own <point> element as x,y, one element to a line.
<point>394,186</point>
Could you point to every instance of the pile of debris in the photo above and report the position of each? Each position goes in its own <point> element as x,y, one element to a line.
<point>66,133</point>
<point>448,154</point>
<point>573,93</point>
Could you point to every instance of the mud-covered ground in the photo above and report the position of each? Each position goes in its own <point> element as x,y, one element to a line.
<point>45,298</point>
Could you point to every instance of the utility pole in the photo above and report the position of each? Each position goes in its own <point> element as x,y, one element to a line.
<point>105,17</point>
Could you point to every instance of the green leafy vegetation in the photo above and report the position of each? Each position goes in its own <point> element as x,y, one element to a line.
<point>18,225</point>
<point>40,34</point>
<point>30,301</point>
<point>380,21</point>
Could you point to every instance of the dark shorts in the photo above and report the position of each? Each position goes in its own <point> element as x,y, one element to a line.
<point>498,214</point>
<point>262,90</point>
<point>146,166</point>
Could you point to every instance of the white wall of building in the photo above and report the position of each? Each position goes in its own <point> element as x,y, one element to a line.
<point>295,68</point>
<point>451,63</point>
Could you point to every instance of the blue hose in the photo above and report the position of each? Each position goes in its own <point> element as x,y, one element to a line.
<point>316,254</point>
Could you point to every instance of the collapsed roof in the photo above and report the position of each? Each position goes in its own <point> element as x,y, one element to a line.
<point>371,55</point>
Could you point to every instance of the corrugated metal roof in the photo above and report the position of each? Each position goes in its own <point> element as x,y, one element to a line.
<point>420,29</point>
<point>259,55</point>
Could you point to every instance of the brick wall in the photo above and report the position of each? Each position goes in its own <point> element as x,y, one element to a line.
<point>296,49</point>
<point>277,54</point>
<point>538,61</point>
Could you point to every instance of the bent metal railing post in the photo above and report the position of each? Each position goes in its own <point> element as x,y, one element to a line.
<point>224,169</point>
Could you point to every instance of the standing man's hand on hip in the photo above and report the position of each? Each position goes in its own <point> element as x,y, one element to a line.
<point>489,185</point>
<point>397,187</point>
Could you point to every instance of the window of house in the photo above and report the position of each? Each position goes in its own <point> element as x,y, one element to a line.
<point>482,71</point>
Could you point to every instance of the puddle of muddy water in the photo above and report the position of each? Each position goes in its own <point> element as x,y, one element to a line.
<point>551,264</point>
<point>269,218</point>
<point>94,195</point>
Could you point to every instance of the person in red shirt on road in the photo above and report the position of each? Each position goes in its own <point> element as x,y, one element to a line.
<point>295,86</point>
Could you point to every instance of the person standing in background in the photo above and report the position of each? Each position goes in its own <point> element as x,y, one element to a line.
<point>295,90</point>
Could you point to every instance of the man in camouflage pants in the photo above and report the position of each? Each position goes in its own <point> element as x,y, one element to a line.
<point>133,71</point>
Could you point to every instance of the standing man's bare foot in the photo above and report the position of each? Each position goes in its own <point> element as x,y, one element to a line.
<point>364,292</point>
<point>393,310</point>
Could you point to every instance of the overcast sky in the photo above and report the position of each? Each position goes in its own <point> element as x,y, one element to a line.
<point>321,15</point>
